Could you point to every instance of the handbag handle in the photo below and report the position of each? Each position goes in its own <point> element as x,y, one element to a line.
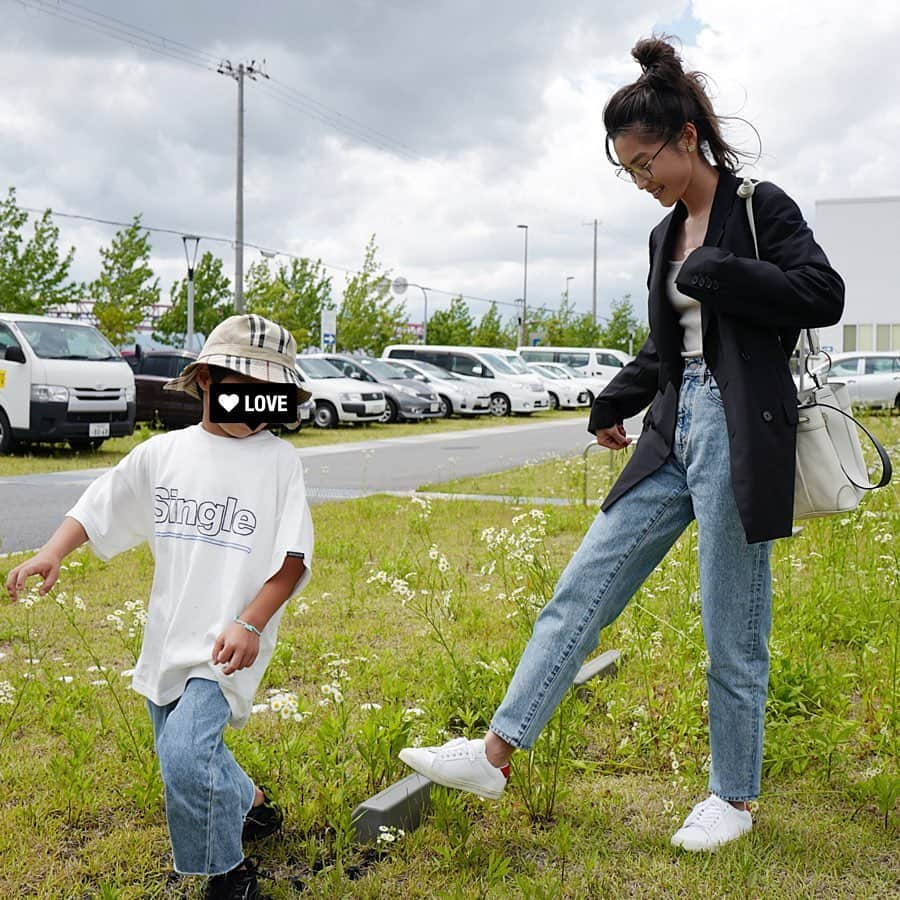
<point>745,191</point>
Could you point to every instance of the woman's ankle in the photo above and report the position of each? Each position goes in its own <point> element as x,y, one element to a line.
<point>497,751</point>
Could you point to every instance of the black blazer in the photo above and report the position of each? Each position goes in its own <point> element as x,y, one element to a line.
<point>752,312</point>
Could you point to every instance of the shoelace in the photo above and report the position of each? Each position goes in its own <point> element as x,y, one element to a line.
<point>707,816</point>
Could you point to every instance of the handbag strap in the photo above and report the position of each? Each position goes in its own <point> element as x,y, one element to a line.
<point>887,469</point>
<point>745,192</point>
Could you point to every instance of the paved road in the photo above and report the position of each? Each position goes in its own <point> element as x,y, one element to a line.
<point>31,506</point>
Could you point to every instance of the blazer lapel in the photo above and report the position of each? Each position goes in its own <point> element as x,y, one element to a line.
<point>663,322</point>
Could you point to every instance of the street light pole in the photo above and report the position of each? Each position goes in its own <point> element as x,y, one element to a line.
<point>594,302</point>
<point>425,322</point>
<point>525,291</point>
<point>568,279</point>
<point>191,242</point>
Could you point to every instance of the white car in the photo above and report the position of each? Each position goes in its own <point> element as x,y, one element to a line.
<point>338,399</point>
<point>458,397</point>
<point>479,366</point>
<point>591,384</point>
<point>61,380</point>
<point>872,378</point>
<point>565,392</point>
<point>595,361</point>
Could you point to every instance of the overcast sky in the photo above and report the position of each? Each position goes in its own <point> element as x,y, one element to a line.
<point>458,121</point>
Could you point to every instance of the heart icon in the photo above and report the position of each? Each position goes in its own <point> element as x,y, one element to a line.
<point>228,401</point>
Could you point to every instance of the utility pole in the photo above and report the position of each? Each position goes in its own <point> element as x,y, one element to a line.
<point>254,71</point>
<point>594,303</point>
<point>524,337</point>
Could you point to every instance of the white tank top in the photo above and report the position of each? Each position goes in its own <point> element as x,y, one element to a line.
<point>688,310</point>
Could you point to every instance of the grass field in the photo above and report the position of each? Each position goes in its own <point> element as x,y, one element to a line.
<point>409,632</point>
<point>36,458</point>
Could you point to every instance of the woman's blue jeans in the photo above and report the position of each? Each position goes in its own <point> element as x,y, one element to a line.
<point>621,548</point>
<point>207,792</point>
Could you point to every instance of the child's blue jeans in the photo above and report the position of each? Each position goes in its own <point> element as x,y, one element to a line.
<point>621,548</point>
<point>207,792</point>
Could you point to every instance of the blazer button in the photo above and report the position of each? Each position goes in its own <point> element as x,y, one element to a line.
<point>708,282</point>
<point>694,280</point>
<point>715,285</point>
<point>767,416</point>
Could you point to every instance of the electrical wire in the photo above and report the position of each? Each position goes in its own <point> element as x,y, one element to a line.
<point>142,38</point>
<point>266,251</point>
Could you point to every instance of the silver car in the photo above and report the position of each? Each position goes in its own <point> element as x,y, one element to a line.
<point>457,396</point>
<point>872,378</point>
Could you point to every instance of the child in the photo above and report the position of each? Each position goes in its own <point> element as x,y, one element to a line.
<point>223,507</point>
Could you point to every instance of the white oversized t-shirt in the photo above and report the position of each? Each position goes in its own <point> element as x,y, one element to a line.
<point>220,515</point>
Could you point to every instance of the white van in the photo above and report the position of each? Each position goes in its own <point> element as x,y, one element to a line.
<point>61,380</point>
<point>510,392</point>
<point>588,360</point>
<point>338,399</point>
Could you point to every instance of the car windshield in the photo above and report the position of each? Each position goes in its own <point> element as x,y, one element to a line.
<point>317,368</point>
<point>550,373</point>
<point>381,370</point>
<point>572,373</point>
<point>59,340</point>
<point>517,364</point>
<point>433,371</point>
<point>498,364</point>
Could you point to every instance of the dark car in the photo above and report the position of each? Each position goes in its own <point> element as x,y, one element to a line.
<point>174,409</point>
<point>405,398</point>
<point>152,369</point>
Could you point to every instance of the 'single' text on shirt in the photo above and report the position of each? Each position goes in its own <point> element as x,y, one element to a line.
<point>207,516</point>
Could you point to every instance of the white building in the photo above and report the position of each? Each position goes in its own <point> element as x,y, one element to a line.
<point>860,238</point>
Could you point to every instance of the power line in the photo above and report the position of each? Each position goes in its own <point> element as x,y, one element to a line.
<point>266,251</point>
<point>142,38</point>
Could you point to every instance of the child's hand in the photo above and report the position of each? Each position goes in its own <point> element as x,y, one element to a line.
<point>44,563</point>
<point>235,648</point>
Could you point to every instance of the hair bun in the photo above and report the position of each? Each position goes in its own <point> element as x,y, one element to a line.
<point>658,58</point>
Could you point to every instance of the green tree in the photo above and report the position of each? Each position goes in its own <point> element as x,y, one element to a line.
<point>213,302</point>
<point>490,331</point>
<point>33,274</point>
<point>453,325</point>
<point>623,330</point>
<point>294,296</point>
<point>126,289</point>
<point>368,318</point>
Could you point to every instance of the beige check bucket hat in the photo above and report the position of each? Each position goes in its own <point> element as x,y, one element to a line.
<point>249,345</point>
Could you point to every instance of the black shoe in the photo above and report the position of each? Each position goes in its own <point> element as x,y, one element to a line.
<point>238,884</point>
<point>262,820</point>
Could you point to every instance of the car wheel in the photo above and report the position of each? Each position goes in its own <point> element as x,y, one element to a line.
<point>590,398</point>
<point>500,405</point>
<point>82,445</point>
<point>554,400</point>
<point>446,406</point>
<point>897,403</point>
<point>6,438</point>
<point>390,412</point>
<point>326,414</point>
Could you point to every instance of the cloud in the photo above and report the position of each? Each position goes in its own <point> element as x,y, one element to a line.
<point>494,114</point>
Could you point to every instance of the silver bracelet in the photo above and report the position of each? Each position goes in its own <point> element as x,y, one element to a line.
<point>251,628</point>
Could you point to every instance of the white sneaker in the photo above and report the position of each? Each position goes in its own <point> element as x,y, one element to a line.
<point>712,822</point>
<point>460,764</point>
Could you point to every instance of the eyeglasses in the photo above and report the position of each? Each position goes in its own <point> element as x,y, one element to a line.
<point>643,170</point>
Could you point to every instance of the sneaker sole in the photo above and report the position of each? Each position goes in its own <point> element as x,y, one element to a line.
<point>459,785</point>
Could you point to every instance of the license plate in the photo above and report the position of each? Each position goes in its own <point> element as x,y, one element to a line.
<point>435,407</point>
<point>375,407</point>
<point>98,429</point>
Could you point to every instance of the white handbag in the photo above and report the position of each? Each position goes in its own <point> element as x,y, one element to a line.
<point>831,470</point>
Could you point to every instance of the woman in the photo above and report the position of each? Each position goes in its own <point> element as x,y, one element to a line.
<point>718,442</point>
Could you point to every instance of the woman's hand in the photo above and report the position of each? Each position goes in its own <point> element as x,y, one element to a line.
<point>235,648</point>
<point>613,438</point>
